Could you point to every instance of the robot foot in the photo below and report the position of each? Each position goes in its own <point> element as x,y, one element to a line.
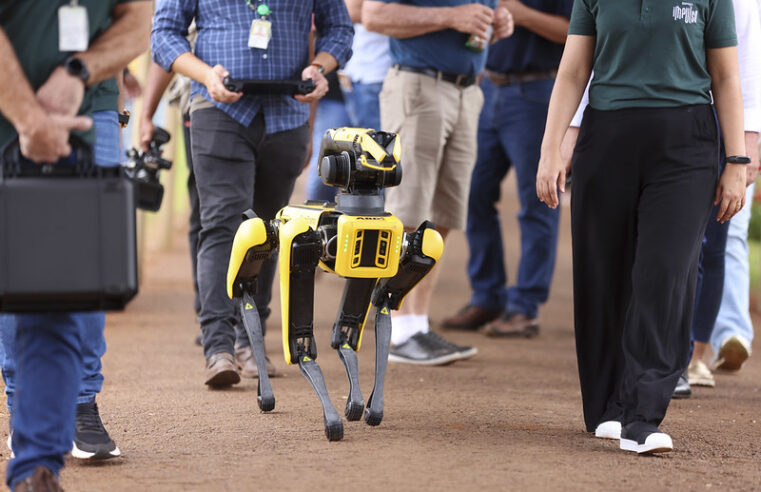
<point>374,410</point>
<point>354,403</point>
<point>252,324</point>
<point>334,427</point>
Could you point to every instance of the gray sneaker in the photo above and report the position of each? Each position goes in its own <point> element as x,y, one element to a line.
<point>465,352</point>
<point>422,349</point>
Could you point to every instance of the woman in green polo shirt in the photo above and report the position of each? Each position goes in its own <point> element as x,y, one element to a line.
<point>645,179</point>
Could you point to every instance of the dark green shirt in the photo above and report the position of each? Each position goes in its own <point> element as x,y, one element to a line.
<point>652,53</point>
<point>32,27</point>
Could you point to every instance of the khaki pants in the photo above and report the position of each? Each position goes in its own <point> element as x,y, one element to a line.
<point>437,123</point>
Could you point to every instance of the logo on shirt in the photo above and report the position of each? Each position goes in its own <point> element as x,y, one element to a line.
<point>686,12</point>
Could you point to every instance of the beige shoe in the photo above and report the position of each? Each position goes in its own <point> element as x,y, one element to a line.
<point>733,353</point>
<point>246,363</point>
<point>698,374</point>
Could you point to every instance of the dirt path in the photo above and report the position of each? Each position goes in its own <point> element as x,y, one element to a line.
<point>509,419</point>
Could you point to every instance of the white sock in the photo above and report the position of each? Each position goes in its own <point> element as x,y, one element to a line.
<point>421,320</point>
<point>403,327</point>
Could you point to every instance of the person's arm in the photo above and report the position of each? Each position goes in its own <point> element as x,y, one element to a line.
<point>42,138</point>
<point>109,53</point>
<point>725,85</point>
<point>549,26</point>
<point>407,21</point>
<point>573,75</point>
<point>355,10</point>
<point>155,86</point>
<point>748,26</point>
<point>572,134</point>
<point>333,46</point>
<point>171,49</point>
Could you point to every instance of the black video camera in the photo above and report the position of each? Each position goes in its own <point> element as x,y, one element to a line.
<point>144,168</point>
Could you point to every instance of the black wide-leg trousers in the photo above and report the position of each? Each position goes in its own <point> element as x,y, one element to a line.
<point>643,186</point>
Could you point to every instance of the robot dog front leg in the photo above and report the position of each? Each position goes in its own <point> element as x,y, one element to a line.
<point>300,250</point>
<point>347,337</point>
<point>254,242</point>
<point>423,249</point>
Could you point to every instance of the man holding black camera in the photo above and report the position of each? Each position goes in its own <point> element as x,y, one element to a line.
<point>60,58</point>
<point>247,150</point>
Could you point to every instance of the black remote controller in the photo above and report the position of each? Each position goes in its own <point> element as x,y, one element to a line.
<point>269,87</point>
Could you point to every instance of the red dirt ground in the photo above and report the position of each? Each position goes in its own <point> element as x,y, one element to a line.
<point>508,419</point>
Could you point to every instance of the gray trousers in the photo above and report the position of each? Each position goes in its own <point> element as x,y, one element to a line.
<point>237,168</point>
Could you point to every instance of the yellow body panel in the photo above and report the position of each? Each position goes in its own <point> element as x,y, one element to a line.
<point>295,226</point>
<point>251,232</point>
<point>355,237</point>
<point>433,244</point>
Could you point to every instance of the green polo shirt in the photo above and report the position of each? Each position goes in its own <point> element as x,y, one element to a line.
<point>32,27</point>
<point>652,53</point>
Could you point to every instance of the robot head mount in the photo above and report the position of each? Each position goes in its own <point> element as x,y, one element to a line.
<point>361,162</point>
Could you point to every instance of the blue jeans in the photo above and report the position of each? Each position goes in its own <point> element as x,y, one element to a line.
<point>51,362</point>
<point>734,317</point>
<point>510,131</point>
<point>330,114</point>
<point>363,105</point>
<point>710,275</point>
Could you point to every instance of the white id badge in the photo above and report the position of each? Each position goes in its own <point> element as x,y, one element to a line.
<point>73,29</point>
<point>261,32</point>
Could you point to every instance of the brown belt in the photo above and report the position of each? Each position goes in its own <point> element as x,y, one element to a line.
<point>519,78</point>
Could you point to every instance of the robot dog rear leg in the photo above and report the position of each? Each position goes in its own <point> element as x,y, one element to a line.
<point>374,410</point>
<point>300,258</point>
<point>347,337</point>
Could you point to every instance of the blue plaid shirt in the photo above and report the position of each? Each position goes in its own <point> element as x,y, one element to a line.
<point>223,29</point>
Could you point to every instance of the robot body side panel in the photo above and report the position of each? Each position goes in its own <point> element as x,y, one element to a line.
<point>311,212</point>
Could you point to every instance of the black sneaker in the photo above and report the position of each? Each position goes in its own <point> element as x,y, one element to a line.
<point>645,438</point>
<point>683,389</point>
<point>465,352</point>
<point>91,440</point>
<point>423,350</point>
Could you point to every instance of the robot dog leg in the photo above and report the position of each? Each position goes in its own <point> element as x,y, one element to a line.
<point>423,249</point>
<point>254,242</point>
<point>300,250</point>
<point>347,337</point>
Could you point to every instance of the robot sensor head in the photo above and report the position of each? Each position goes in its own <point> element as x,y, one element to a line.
<point>360,160</point>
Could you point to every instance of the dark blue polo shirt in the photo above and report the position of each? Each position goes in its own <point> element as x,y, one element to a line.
<point>526,51</point>
<point>441,50</point>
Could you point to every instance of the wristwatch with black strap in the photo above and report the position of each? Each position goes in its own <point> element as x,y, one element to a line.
<point>738,159</point>
<point>76,67</point>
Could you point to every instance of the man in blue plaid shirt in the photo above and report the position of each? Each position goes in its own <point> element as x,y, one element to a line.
<point>247,150</point>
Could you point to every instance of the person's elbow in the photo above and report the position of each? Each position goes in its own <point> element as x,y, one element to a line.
<point>137,15</point>
<point>373,14</point>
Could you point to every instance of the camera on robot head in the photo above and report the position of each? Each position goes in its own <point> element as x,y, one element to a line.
<point>361,162</point>
<point>144,169</point>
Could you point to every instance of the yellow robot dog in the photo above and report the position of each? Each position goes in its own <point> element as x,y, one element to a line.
<point>354,238</point>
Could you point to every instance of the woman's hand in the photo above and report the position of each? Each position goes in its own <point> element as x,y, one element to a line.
<point>550,177</point>
<point>730,192</point>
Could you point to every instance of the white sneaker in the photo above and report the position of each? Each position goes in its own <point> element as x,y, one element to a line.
<point>698,374</point>
<point>657,442</point>
<point>733,353</point>
<point>610,429</point>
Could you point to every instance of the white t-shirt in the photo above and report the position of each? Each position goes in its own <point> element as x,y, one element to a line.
<point>371,57</point>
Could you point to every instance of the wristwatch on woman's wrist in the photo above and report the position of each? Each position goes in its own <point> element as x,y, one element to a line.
<point>738,159</point>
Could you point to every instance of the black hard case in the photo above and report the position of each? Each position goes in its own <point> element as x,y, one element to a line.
<point>67,238</point>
